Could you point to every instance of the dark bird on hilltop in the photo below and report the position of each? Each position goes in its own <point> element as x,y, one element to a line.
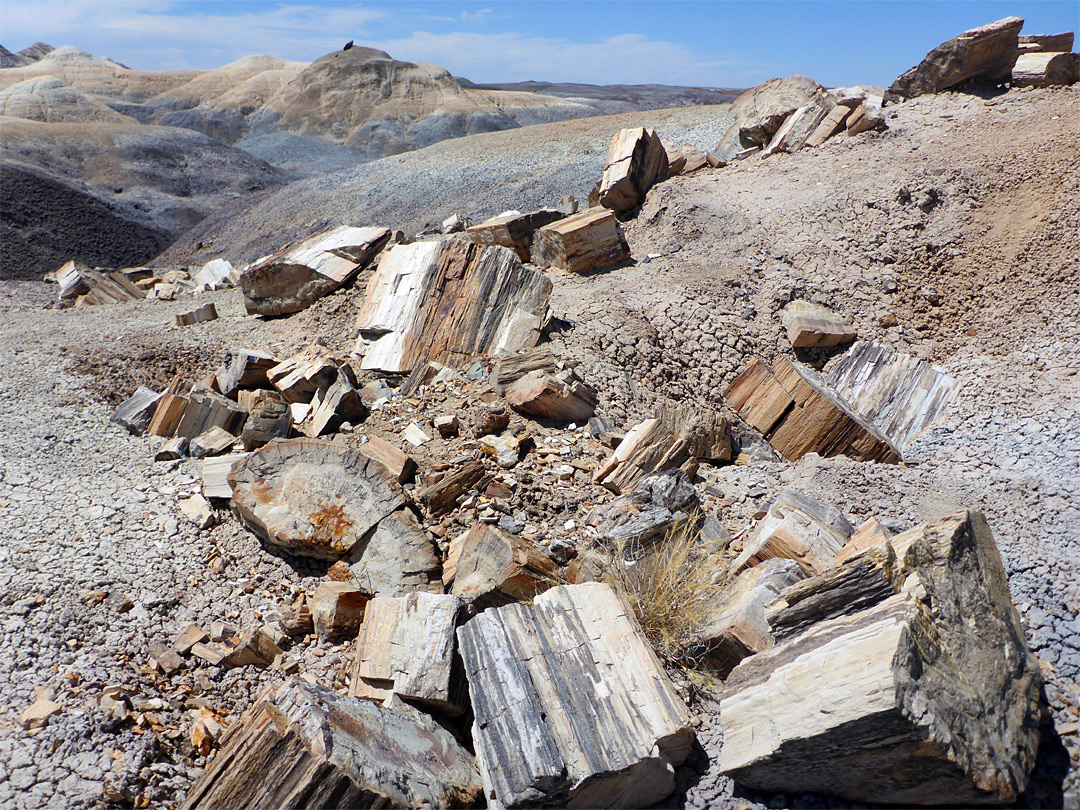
<point>347,45</point>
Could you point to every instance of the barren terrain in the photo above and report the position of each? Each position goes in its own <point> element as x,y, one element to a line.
<point>953,235</point>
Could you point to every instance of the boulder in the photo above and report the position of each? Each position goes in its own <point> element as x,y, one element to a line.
<point>636,161</point>
<point>581,242</point>
<point>513,230</point>
<point>1046,69</point>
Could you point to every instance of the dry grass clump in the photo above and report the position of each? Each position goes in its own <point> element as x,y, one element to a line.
<point>670,588</point>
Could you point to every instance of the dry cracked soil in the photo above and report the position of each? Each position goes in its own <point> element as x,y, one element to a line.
<point>953,235</point>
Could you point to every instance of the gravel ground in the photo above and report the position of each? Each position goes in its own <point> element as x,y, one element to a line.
<point>87,512</point>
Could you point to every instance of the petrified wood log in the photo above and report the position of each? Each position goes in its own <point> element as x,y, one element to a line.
<point>988,52</point>
<point>406,648</point>
<point>443,495</point>
<point>1046,69</point>
<point>870,532</point>
<point>800,528</point>
<point>397,558</point>
<point>340,403</point>
<point>513,367</point>
<point>514,231</point>
<point>1056,43</point>
<point>109,288</point>
<point>929,696</point>
<point>305,271</point>
<point>581,242</point>
<point>206,409</point>
<point>572,707</point>
<point>270,418</point>
<point>244,368</point>
<point>306,747</point>
<point>170,408</point>
<point>810,324</point>
<point>449,301</point>
<point>207,312</point>
<point>797,413</point>
<point>312,497</point>
<point>136,411</point>
<point>636,161</point>
<point>303,374</point>
<point>487,566</point>
<point>562,396</point>
<point>762,110</point>
<point>215,475</point>
<point>897,393</point>
<point>634,521</point>
<point>396,461</point>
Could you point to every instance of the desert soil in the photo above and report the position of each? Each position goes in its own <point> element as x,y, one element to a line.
<point>954,235</point>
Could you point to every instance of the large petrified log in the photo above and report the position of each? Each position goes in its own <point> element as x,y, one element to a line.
<point>1046,69</point>
<point>406,648</point>
<point>581,242</point>
<point>799,528</point>
<point>572,706</point>
<point>109,287</point>
<point>449,301</point>
<point>302,375</point>
<point>761,111</point>
<point>306,747</point>
<point>312,497</point>
<point>798,413</point>
<point>487,566</point>
<point>513,230</point>
<point>636,161</point>
<point>899,394</point>
<point>244,368</point>
<point>677,435</point>
<point>305,271</point>
<point>929,695</point>
<point>988,52</point>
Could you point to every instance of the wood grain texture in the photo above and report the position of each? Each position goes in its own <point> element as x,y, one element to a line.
<point>581,242</point>
<point>397,558</point>
<point>487,566</point>
<point>514,231</point>
<point>137,410</point>
<point>636,161</point>
<point>206,409</point>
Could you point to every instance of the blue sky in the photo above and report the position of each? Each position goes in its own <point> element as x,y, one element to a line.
<point>715,44</point>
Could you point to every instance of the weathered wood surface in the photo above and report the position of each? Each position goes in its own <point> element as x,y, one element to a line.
<point>810,324</point>
<point>245,368</point>
<point>800,125</point>
<point>396,462</point>
<point>207,312</point>
<point>339,404</point>
<point>206,409</point>
<point>562,396</point>
<point>513,367</point>
<point>1046,69</point>
<point>109,288</point>
<point>136,411</point>
<point>899,394</point>
<point>572,707</point>
<point>299,377</point>
<point>215,474</point>
<point>636,161</point>
<point>514,231</point>
<point>449,301</point>
<point>306,747</point>
<point>829,126</point>
<point>797,412</point>
<point>988,52</point>
<point>337,609</point>
<point>687,159</point>
<point>929,696</point>
<point>311,497</point>
<point>634,521</point>
<point>305,271</point>
<point>669,440</point>
<point>269,418</point>
<point>443,495</point>
<point>762,110</point>
<point>71,280</point>
<point>737,627</point>
<point>406,648</point>
<point>213,442</point>
<point>870,532</point>
<point>1056,43</point>
<point>487,566</point>
<point>398,558</point>
<point>582,242</point>
<point>797,527</point>
<point>170,408</point>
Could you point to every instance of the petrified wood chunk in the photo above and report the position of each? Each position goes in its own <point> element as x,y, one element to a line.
<point>636,161</point>
<point>988,52</point>
<point>215,474</point>
<point>212,443</point>
<point>270,418</point>
<point>810,324</point>
<point>406,648</point>
<point>929,696</point>
<point>514,231</point>
<point>207,312</point>
<point>312,497</point>
<point>443,495</point>
<point>572,706</point>
<point>899,394</point>
<point>513,367</point>
<point>137,410</point>
<point>800,528</point>
<point>398,558</point>
<point>450,302</point>
<point>798,413</point>
<point>488,566</point>
<point>871,532</point>
<point>305,271</point>
<point>829,126</point>
<point>581,242</point>
<point>1057,43</point>
<point>337,608</point>
<point>206,409</point>
<point>244,368</point>
<point>396,461</point>
<point>306,747</point>
<point>170,408</point>
<point>109,288</point>
<point>669,440</point>
<point>637,519</point>
<point>299,377</point>
<point>1046,69</point>
<point>71,280</point>
<point>761,111</point>
<point>340,403</point>
<point>562,396</point>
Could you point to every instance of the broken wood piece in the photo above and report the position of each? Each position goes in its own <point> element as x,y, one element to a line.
<point>582,242</point>
<point>563,396</point>
<point>442,496</point>
<point>929,696</point>
<point>305,271</point>
<point>71,280</point>
<point>406,648</point>
<point>109,288</point>
<point>215,475</point>
<point>513,367</point>
<point>796,527</point>
<point>136,412</point>
<point>170,408</point>
<point>798,413</point>
<point>269,418</point>
<point>245,368</point>
<point>212,443</point>
<point>303,374</point>
<point>396,462</point>
<point>541,741</point>
<point>256,648</point>
<point>341,403</point>
<point>513,230</point>
<point>188,638</point>
<point>305,746</point>
<point>398,558</point>
<point>174,448</point>
<point>207,312</point>
<point>488,566</point>
<point>206,409</point>
<point>868,115</point>
<point>869,533</point>
<point>636,161</point>
<point>337,608</point>
<point>829,126</point>
<point>810,324</point>
<point>449,302</point>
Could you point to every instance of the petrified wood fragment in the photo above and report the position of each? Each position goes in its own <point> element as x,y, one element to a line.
<point>810,324</point>
<point>514,231</point>
<point>244,368</point>
<point>206,409</point>
<point>312,497</point>
<point>270,418</point>
<point>636,161</point>
<point>562,396</point>
<point>137,410</point>
<point>1046,70</point>
<point>487,566</point>
<point>797,527</point>
<point>581,242</point>
<point>398,558</point>
<point>572,706</point>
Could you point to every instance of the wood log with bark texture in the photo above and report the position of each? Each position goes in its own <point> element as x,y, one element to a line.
<point>406,648</point>
<point>797,412</point>
<point>513,231</point>
<point>636,161</point>
<point>572,706</point>
<point>306,747</point>
<point>799,528</point>
<point>305,271</point>
<point>311,497</point>
<point>398,558</point>
<point>487,566</point>
<point>136,412</point>
<point>930,695</point>
<point>582,242</point>
<point>449,301</point>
